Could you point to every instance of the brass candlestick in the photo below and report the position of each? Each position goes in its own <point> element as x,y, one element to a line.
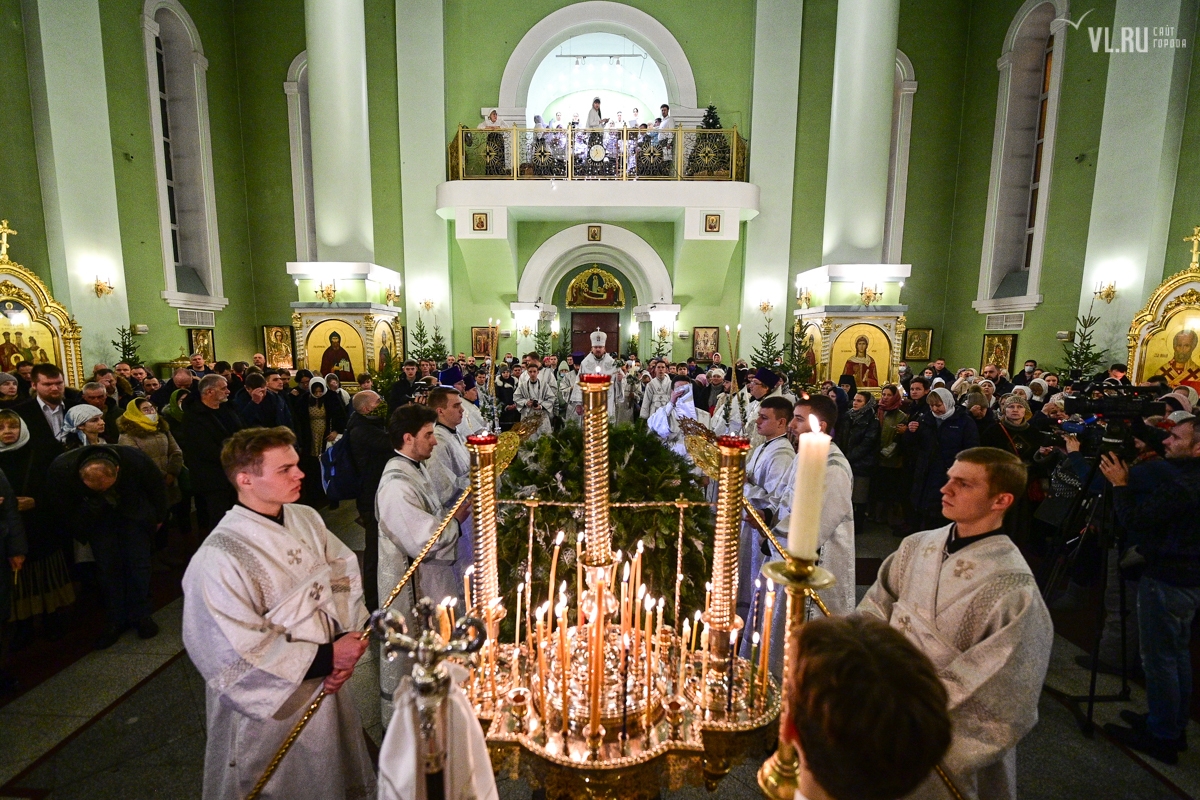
<point>485,579</point>
<point>778,775</point>
<point>596,523</point>
<point>722,616</point>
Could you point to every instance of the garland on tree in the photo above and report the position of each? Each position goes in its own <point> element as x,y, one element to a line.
<point>642,469</point>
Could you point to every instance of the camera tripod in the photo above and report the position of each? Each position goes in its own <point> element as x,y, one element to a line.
<point>1090,519</point>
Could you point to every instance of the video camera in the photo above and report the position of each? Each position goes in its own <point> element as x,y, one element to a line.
<point>1113,415</point>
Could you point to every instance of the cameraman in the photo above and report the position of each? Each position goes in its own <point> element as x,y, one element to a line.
<point>1158,503</point>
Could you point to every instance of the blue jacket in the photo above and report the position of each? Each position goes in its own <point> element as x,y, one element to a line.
<point>1160,508</point>
<point>938,442</point>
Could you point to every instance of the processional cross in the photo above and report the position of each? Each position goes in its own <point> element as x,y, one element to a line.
<point>5,231</point>
<point>1194,239</point>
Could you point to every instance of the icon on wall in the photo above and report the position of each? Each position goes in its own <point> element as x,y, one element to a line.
<point>479,222</point>
<point>712,223</point>
<point>916,344</point>
<point>278,342</point>
<point>593,233</point>
<point>200,340</point>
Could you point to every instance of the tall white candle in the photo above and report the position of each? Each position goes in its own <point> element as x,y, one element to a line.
<point>809,492</point>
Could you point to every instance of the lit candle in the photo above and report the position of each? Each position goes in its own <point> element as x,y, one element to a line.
<point>625,688</point>
<point>517,619</point>
<point>494,633</point>
<point>612,572</point>
<point>601,631</point>
<point>648,633</point>
<point>808,492</point>
<point>541,647</point>
<point>702,692</point>
<point>637,563</point>
<point>683,651</point>
<point>579,542</point>
<point>625,601</point>
<point>443,621</point>
<point>649,605</point>
<point>550,588</point>
<point>707,596</point>
<point>658,629</point>
<point>637,628</point>
<point>451,604</point>
<point>733,634</point>
<point>695,630</point>
<point>564,664</point>
<point>467,586</point>
<point>753,661</point>
<point>764,655</point>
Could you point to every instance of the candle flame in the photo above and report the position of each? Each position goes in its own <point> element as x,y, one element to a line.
<point>757,584</point>
<point>687,627</point>
<point>559,540</point>
<point>470,570</point>
<point>452,602</point>
<point>641,546</point>
<point>770,585</point>
<point>494,604</point>
<point>641,592</point>
<point>625,574</point>
<point>563,589</point>
<point>540,614</point>
<point>733,636</point>
<point>617,556</point>
<point>661,602</point>
<point>814,424</point>
<point>708,586</point>
<point>698,614</point>
<point>625,638</point>
<point>648,603</point>
<point>755,638</point>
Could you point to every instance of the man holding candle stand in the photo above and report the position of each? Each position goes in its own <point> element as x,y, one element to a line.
<point>964,595</point>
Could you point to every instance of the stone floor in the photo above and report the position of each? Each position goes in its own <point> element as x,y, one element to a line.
<point>128,723</point>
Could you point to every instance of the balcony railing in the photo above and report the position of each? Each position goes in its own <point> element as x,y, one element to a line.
<point>614,154</point>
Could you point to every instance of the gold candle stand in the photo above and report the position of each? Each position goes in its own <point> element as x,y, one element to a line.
<point>491,675</point>
<point>777,777</point>
<point>596,523</point>
<point>722,618</point>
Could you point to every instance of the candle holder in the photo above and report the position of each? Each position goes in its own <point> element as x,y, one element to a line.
<point>518,707</point>
<point>777,778</point>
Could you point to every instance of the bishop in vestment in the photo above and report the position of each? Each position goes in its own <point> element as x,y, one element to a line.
<point>272,609</point>
<point>964,595</point>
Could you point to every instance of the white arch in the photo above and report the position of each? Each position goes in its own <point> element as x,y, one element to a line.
<point>151,9</point>
<point>619,247</point>
<point>605,17</point>
<point>1062,10</point>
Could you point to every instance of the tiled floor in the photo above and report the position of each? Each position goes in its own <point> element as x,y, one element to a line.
<point>128,723</point>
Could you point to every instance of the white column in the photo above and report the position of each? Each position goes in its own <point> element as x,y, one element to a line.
<point>777,28</point>
<point>75,164</point>
<point>860,131</point>
<point>421,89</point>
<point>341,149</point>
<point>1145,98</point>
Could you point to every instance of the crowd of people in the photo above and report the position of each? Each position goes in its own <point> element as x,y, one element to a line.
<point>98,485</point>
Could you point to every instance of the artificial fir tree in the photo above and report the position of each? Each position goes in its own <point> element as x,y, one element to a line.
<point>710,121</point>
<point>419,340</point>
<point>769,349</point>
<point>1081,355</point>
<point>541,340</point>
<point>127,348</point>
<point>437,345</point>
<point>709,154</point>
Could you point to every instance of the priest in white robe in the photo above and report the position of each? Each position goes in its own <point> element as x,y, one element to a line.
<point>965,596</point>
<point>656,393</point>
<point>598,361</point>
<point>681,405</point>
<point>272,613</point>
<point>409,511</point>
<point>450,465</point>
<point>535,394</point>
<point>835,542</point>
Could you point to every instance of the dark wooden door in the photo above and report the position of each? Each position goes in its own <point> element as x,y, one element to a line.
<point>582,326</point>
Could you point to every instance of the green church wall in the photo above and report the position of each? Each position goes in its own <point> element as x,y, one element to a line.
<point>383,112</point>
<point>20,186</point>
<point>1185,209</point>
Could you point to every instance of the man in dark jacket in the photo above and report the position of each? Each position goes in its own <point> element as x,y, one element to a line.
<point>113,498</point>
<point>45,412</point>
<point>180,379</point>
<point>367,438</point>
<point>402,391</point>
<point>207,422</point>
<point>992,373</point>
<point>1158,503</point>
<point>260,407</point>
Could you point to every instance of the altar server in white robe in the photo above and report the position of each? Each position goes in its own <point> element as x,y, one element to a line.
<point>965,596</point>
<point>450,464</point>
<point>468,768</point>
<point>473,420</point>
<point>835,542</point>
<point>665,421</point>
<point>767,470</point>
<point>656,393</point>
<point>535,394</point>
<point>272,612</point>
<point>409,511</point>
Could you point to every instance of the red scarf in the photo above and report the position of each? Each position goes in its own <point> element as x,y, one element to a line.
<point>887,403</point>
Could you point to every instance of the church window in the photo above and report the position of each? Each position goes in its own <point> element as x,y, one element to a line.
<point>176,73</point>
<point>1019,189</point>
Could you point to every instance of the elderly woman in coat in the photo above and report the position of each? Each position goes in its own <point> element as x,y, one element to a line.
<point>939,440</point>
<point>143,428</point>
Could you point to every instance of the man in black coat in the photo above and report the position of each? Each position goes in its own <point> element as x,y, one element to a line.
<point>45,412</point>
<point>180,379</point>
<point>404,387</point>
<point>113,498</point>
<point>207,422</point>
<point>992,373</point>
<point>366,435</point>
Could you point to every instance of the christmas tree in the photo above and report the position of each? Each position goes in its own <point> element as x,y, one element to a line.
<point>1081,355</point>
<point>661,343</point>
<point>709,153</point>
<point>541,340</point>
<point>419,340</point>
<point>127,349</point>
<point>710,121</point>
<point>437,345</point>
<point>768,349</point>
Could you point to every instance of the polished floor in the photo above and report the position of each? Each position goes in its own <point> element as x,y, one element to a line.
<point>128,723</point>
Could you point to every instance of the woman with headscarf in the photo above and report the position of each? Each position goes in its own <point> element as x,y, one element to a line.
<point>938,443</point>
<point>9,390</point>
<point>495,154</point>
<point>141,427</point>
<point>44,584</point>
<point>83,425</point>
<point>862,450</point>
<point>320,418</point>
<point>1040,394</point>
<point>1014,434</point>
<point>889,469</point>
<point>334,385</point>
<point>988,390</point>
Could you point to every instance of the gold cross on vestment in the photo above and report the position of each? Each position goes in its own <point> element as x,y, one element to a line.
<point>1195,240</point>
<point>5,231</point>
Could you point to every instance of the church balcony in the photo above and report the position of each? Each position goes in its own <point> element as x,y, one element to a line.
<point>590,154</point>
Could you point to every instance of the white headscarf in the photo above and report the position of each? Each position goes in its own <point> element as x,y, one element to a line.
<point>947,400</point>
<point>22,438</point>
<point>78,416</point>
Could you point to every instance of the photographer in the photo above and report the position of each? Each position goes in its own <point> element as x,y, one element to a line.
<point>1158,503</point>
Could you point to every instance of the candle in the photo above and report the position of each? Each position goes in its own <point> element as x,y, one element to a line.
<point>732,665</point>
<point>658,629</point>
<point>683,651</point>
<point>593,678</point>
<point>752,623</point>
<point>695,630</point>
<point>550,587</point>
<point>637,563</point>
<point>764,655</point>
<point>753,661</point>
<point>564,663</point>
<point>494,636</point>
<point>702,692</point>
<point>707,596</point>
<point>517,619</point>
<point>451,604</point>
<point>443,621</point>
<point>625,688</point>
<point>467,586</point>
<point>647,633</point>
<point>637,628</point>
<point>601,630</point>
<point>541,647</point>
<point>612,572</point>
<point>625,600</point>
<point>579,542</point>
<point>808,492</point>
<point>649,605</point>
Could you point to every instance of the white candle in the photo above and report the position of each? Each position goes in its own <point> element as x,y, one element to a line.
<point>809,492</point>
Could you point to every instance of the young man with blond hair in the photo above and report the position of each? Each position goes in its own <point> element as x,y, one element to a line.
<point>963,594</point>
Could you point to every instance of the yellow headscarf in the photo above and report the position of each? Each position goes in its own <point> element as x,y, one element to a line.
<point>135,415</point>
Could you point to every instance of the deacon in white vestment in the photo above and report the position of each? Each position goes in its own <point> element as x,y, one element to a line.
<point>665,421</point>
<point>409,511</point>
<point>535,394</point>
<point>656,393</point>
<point>450,465</point>
<point>468,768</point>
<point>965,596</point>
<point>473,421</point>
<point>273,603</point>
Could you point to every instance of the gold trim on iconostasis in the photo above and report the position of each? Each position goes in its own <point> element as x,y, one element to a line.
<point>1173,298</point>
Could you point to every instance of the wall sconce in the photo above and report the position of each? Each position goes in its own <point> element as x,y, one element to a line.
<point>426,304</point>
<point>1106,291</point>
<point>664,332</point>
<point>766,307</point>
<point>869,294</point>
<point>804,296</point>
<point>391,295</point>
<point>103,287</point>
<point>327,291</point>
<point>526,331</point>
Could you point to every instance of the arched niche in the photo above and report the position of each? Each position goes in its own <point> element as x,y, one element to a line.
<point>619,247</point>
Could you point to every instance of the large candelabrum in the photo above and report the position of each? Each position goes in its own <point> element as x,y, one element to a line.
<point>486,602</point>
